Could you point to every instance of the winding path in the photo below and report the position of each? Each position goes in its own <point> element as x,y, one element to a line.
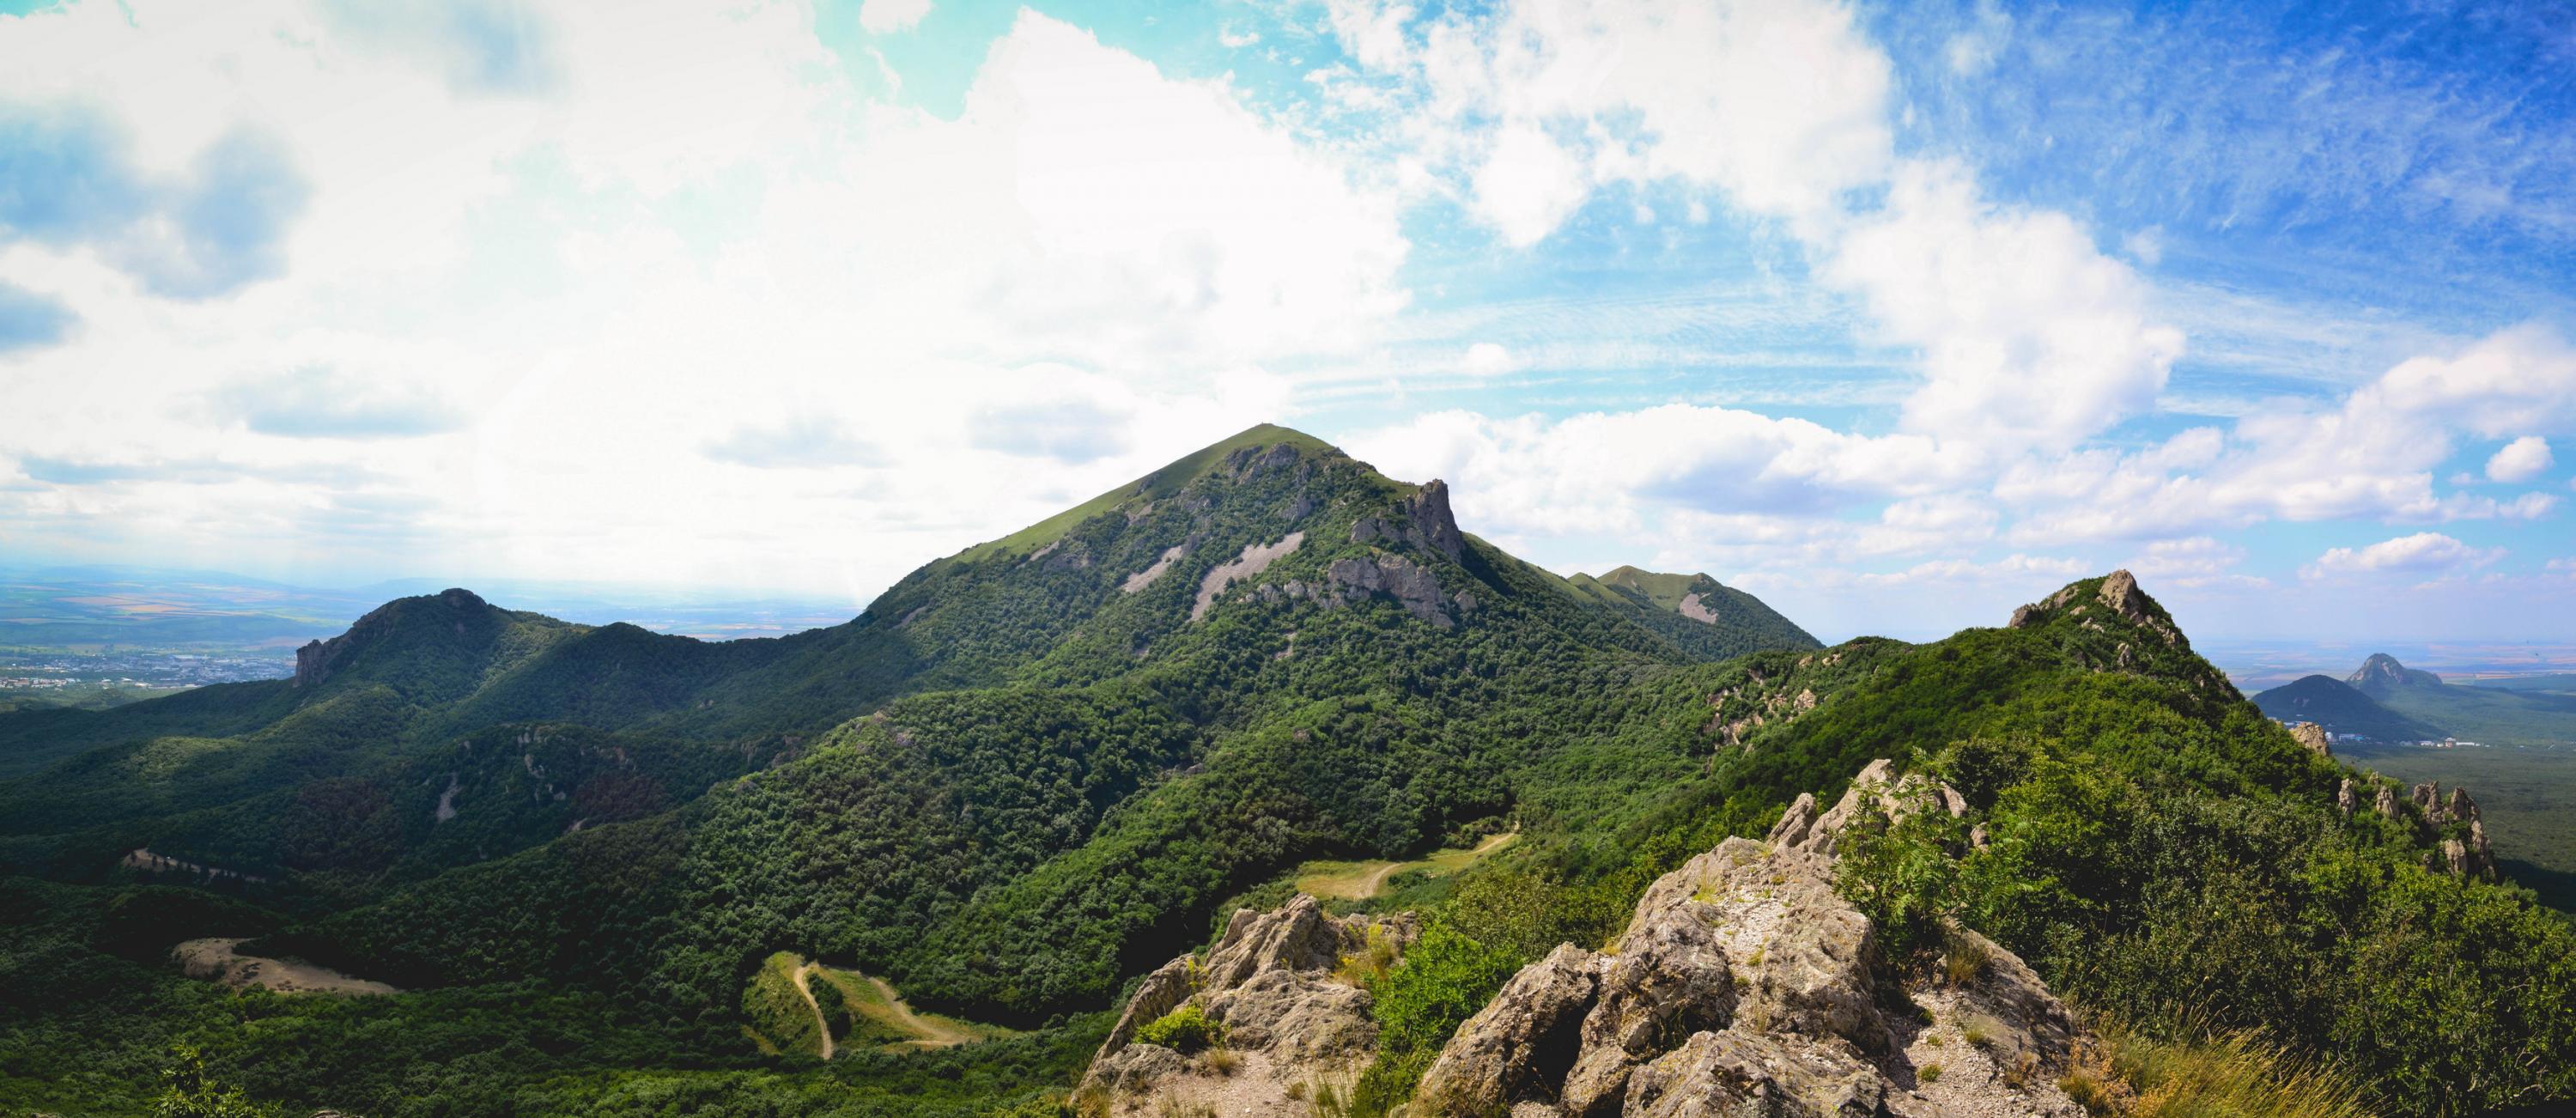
<point>927,1033</point>
<point>822,1026</point>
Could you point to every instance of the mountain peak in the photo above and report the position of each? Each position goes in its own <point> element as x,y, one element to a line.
<point>2382,674</point>
<point>450,616</point>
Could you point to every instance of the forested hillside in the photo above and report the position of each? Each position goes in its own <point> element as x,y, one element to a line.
<point>1035,769</point>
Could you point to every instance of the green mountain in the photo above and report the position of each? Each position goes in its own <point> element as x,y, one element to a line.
<point>1695,612</point>
<point>591,857</point>
<point>2343,709</point>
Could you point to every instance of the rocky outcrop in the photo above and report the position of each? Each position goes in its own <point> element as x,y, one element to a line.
<point>2314,737</point>
<point>2348,797</point>
<point>1421,521</point>
<point>1522,1044</point>
<point>1270,983</point>
<point>1875,800</point>
<point>2465,853</point>
<point>2119,591</point>
<point>1747,985</point>
<point>1411,584</point>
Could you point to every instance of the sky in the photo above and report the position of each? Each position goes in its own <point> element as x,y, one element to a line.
<point>1893,314</point>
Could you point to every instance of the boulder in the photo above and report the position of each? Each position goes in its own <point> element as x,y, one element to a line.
<point>1746,984</point>
<point>2314,737</point>
<point>1522,1044</point>
<point>1670,979</point>
<point>1731,1073</point>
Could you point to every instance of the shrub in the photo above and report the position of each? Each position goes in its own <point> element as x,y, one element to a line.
<point>1187,1030</point>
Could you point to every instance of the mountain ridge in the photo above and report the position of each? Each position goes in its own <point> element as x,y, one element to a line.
<point>1027,774</point>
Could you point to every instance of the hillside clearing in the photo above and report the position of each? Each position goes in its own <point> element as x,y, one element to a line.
<point>217,960</point>
<point>1358,881</point>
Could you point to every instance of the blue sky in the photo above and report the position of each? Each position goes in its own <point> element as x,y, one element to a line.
<point>1894,314</point>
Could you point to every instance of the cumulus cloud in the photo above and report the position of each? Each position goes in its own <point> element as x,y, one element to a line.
<point>2421,553</point>
<point>2030,336</point>
<point>2521,460</point>
<point>685,235</point>
<point>68,180</point>
<point>1487,359</point>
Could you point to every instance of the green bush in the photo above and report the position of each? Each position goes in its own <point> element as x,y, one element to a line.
<point>1187,1030</point>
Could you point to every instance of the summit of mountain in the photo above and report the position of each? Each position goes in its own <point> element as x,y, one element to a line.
<point>2382,676</point>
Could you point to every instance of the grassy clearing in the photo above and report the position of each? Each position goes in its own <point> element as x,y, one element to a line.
<point>780,1018</point>
<point>799,1006</point>
<point>1358,881</point>
<point>891,1022</point>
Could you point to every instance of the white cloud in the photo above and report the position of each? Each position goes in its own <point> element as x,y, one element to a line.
<point>1528,185</point>
<point>885,17</point>
<point>2421,553</point>
<point>688,237</point>
<point>2521,460</point>
<point>2029,335</point>
<point>1487,359</point>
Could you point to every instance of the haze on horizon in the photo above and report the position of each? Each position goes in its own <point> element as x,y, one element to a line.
<point>1894,315</point>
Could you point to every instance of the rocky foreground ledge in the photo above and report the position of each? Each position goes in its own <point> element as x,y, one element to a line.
<point>1744,985</point>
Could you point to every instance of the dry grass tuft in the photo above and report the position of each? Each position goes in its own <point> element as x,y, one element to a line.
<point>2236,1075</point>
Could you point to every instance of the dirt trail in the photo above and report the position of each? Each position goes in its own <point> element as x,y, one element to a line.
<point>927,1033</point>
<point>822,1025</point>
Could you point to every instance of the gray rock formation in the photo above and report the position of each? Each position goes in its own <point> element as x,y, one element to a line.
<point>2314,737</point>
<point>1411,584</point>
<point>1522,1043</point>
<point>1269,981</point>
<point>1747,985</point>
<point>2464,855</point>
<point>1255,559</point>
<point>2119,591</point>
<point>1421,521</point>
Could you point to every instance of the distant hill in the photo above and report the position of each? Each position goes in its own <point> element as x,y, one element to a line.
<point>2487,715</point>
<point>1694,611</point>
<point>2341,708</point>
<point>2382,676</point>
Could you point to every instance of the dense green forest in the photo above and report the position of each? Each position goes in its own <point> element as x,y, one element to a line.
<point>1036,769</point>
